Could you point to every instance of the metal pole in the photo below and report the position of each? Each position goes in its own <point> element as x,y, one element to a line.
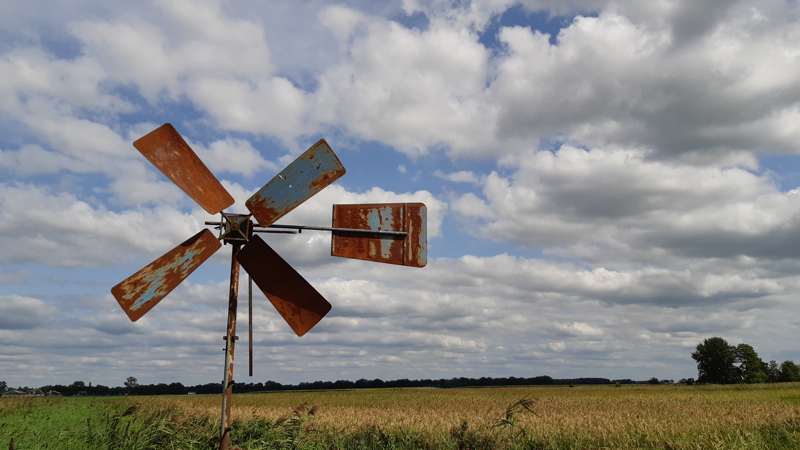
<point>250,322</point>
<point>276,228</point>
<point>230,344</point>
<point>342,230</point>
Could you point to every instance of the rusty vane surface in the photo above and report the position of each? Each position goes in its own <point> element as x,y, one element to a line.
<point>294,298</point>
<point>408,217</point>
<point>141,291</point>
<point>166,149</point>
<point>316,168</point>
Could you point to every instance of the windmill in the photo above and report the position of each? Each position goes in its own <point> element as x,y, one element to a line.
<point>393,233</point>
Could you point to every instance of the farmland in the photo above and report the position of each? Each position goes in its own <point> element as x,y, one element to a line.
<point>762,416</point>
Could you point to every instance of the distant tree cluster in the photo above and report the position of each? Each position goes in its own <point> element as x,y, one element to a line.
<point>133,387</point>
<point>721,363</point>
<point>717,362</point>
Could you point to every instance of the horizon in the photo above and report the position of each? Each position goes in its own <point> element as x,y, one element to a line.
<point>607,183</point>
<point>589,381</point>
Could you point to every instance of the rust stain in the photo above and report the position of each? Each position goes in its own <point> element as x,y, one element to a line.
<point>316,168</point>
<point>165,148</point>
<point>140,292</point>
<point>409,250</point>
<point>416,244</point>
<point>292,296</point>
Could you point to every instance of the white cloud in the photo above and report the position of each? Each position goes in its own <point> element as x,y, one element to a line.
<point>613,205</point>
<point>235,156</point>
<point>579,329</point>
<point>411,89</point>
<point>342,21</point>
<point>652,90</point>
<point>461,176</point>
<point>20,313</point>
<point>439,320</point>
<point>667,77</point>
<point>271,106</point>
<point>33,159</point>
<point>61,230</point>
<point>220,63</point>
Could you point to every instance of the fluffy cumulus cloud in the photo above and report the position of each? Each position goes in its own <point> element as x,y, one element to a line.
<point>618,206</point>
<point>413,89</point>
<point>62,230</point>
<point>607,181</point>
<point>20,312</point>
<point>615,80</point>
<point>697,82</point>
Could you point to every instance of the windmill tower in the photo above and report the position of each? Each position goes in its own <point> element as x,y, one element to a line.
<point>393,233</point>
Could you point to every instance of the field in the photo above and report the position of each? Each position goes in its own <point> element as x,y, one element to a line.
<point>631,417</point>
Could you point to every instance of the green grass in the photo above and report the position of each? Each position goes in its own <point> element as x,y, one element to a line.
<point>630,417</point>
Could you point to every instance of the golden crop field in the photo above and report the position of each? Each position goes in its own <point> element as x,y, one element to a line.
<point>762,416</point>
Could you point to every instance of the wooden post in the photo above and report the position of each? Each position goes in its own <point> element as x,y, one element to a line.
<point>230,345</point>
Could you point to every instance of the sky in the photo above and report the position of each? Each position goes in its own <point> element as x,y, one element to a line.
<point>608,182</point>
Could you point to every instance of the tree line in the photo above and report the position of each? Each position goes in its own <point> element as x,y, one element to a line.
<point>721,363</point>
<point>717,362</point>
<point>132,387</point>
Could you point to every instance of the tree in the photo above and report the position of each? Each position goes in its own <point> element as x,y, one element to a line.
<point>751,368</point>
<point>790,371</point>
<point>3,386</point>
<point>715,362</point>
<point>131,382</point>
<point>773,372</point>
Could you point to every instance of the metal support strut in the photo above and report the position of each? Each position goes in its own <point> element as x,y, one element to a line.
<point>250,322</point>
<point>230,344</point>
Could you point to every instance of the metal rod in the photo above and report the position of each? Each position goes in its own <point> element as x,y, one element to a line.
<point>343,230</point>
<point>250,322</point>
<point>276,231</point>
<point>298,228</point>
<point>230,345</point>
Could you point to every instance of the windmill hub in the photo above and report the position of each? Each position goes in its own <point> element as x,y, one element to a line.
<point>235,228</point>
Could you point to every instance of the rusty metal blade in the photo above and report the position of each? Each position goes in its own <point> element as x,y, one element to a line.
<point>316,168</point>
<point>408,250</point>
<point>141,291</point>
<point>166,149</point>
<point>294,298</point>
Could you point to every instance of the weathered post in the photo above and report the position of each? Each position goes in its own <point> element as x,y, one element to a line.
<point>230,346</point>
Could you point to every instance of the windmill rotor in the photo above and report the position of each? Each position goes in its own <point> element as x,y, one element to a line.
<point>393,233</point>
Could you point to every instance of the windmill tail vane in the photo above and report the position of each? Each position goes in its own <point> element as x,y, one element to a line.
<point>393,233</point>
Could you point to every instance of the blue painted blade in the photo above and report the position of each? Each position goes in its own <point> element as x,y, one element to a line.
<point>141,291</point>
<point>308,174</point>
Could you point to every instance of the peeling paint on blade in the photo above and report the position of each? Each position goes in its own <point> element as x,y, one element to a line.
<point>382,219</point>
<point>316,168</point>
<point>141,291</point>
<point>410,250</point>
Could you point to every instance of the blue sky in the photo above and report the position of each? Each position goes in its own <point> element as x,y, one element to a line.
<point>608,182</point>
